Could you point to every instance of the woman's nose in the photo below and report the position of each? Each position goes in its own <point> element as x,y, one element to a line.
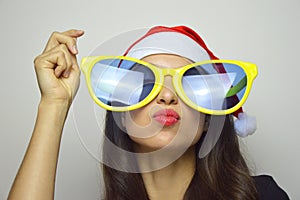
<point>167,95</point>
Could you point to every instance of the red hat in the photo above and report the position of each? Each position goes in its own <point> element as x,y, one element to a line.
<point>184,41</point>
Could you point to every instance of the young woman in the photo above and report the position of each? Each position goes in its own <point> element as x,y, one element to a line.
<point>169,129</point>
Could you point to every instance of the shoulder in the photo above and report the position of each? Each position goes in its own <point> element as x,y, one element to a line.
<point>268,189</point>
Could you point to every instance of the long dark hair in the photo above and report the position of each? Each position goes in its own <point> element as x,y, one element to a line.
<point>222,174</point>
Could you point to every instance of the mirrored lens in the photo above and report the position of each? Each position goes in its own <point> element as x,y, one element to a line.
<point>217,86</point>
<point>120,82</point>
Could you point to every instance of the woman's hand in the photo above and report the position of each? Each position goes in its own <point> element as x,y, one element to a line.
<point>58,78</point>
<point>57,68</point>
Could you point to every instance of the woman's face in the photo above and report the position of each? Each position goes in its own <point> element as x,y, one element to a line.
<point>156,125</point>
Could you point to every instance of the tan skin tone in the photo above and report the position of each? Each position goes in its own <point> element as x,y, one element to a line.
<point>58,74</point>
<point>172,181</point>
<point>166,99</point>
<point>58,78</point>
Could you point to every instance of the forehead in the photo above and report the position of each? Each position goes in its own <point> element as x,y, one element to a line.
<point>167,60</point>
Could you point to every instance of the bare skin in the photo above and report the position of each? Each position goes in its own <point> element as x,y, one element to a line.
<point>172,181</point>
<point>58,78</point>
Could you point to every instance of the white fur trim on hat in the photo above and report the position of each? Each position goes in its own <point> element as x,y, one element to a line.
<point>169,42</point>
<point>182,45</point>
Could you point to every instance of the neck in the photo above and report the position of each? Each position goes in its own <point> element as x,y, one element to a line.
<point>172,181</point>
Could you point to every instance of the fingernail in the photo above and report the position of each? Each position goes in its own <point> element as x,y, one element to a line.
<point>57,72</point>
<point>66,73</point>
<point>74,49</point>
<point>74,66</point>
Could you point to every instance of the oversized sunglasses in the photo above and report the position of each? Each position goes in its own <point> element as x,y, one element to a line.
<point>120,83</point>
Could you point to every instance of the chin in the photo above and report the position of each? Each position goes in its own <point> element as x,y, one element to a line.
<point>158,143</point>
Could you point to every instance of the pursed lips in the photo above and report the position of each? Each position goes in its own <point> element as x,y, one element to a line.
<point>166,117</point>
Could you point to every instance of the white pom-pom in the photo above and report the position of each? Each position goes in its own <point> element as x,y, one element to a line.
<point>245,125</point>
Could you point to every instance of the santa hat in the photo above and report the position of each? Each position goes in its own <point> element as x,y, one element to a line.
<point>184,41</point>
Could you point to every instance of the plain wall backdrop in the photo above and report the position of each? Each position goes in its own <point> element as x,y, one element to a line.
<point>264,32</point>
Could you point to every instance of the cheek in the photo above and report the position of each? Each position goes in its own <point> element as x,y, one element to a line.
<point>193,124</point>
<point>149,135</point>
<point>138,124</point>
<point>139,117</point>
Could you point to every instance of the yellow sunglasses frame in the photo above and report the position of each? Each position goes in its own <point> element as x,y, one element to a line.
<point>250,70</point>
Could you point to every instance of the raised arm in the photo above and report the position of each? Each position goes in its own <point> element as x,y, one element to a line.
<point>57,73</point>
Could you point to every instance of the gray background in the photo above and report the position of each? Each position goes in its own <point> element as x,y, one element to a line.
<point>264,32</point>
